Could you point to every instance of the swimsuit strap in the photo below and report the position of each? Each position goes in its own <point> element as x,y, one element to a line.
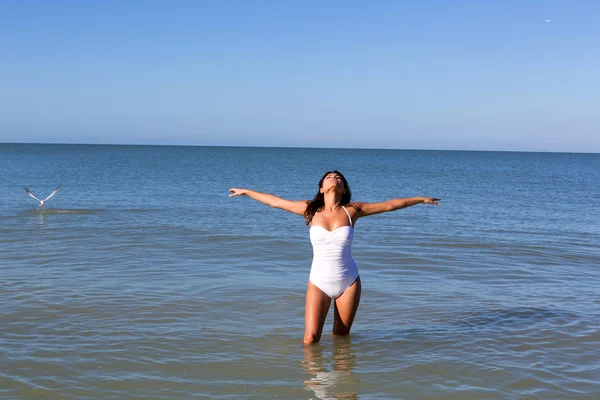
<point>349,217</point>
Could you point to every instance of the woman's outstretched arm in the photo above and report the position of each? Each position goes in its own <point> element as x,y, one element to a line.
<point>296,207</point>
<point>365,209</point>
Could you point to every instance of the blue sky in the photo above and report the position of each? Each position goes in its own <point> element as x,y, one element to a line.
<point>405,74</point>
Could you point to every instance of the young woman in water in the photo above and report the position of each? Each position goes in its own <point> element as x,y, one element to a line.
<point>333,274</point>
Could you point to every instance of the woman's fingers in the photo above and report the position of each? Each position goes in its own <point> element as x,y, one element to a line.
<point>235,192</point>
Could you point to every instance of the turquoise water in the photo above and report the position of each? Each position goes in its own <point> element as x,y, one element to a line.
<point>143,279</point>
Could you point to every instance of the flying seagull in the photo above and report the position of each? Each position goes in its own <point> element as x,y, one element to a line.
<point>42,202</point>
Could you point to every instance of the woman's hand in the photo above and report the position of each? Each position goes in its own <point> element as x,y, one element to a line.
<point>431,200</point>
<point>237,192</point>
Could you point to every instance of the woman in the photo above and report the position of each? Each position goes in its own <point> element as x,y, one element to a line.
<point>333,274</point>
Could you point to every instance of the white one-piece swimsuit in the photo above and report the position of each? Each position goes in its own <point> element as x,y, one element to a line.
<point>333,269</point>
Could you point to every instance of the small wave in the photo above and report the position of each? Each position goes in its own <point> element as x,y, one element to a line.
<point>55,211</point>
<point>519,316</point>
<point>140,210</point>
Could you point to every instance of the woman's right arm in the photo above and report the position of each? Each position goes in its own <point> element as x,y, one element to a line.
<point>296,207</point>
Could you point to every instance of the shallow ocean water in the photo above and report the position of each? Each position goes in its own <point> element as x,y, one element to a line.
<point>143,279</point>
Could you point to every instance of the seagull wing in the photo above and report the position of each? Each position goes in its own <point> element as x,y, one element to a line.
<point>32,195</point>
<point>53,193</point>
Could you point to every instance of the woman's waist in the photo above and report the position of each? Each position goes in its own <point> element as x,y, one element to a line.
<point>333,254</point>
<point>325,273</point>
<point>333,267</point>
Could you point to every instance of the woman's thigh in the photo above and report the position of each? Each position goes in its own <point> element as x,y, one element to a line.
<point>345,308</point>
<point>317,306</point>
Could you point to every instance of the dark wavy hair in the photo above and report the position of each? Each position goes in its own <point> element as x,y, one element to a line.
<point>315,205</point>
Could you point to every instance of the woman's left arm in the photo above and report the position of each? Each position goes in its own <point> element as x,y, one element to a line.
<point>365,209</point>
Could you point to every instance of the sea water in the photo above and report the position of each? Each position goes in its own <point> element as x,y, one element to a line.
<point>143,279</point>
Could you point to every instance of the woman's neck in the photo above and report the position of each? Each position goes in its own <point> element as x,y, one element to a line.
<point>332,201</point>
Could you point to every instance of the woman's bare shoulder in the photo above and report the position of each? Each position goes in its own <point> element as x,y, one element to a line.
<point>357,205</point>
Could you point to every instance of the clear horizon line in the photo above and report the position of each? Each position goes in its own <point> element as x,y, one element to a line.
<point>292,147</point>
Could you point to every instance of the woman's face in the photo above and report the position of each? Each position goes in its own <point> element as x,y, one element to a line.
<point>332,180</point>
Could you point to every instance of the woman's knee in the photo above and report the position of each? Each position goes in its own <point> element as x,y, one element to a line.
<point>311,338</point>
<point>340,329</point>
